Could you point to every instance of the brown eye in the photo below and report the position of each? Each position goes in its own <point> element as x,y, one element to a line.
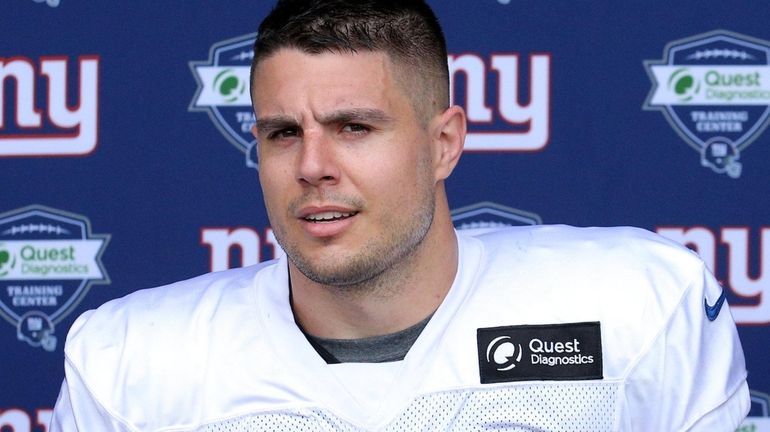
<point>283,134</point>
<point>355,128</point>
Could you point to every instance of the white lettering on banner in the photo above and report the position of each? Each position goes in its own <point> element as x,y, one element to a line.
<point>16,420</point>
<point>44,417</point>
<point>539,346</point>
<point>475,86</point>
<point>221,242</point>
<point>535,115</point>
<point>74,127</point>
<point>738,277</point>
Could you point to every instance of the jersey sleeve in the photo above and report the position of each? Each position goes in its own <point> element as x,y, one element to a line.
<point>78,412</point>
<point>692,377</point>
<point>77,409</point>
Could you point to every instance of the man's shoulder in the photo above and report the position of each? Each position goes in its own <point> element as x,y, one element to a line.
<point>564,235</point>
<point>152,318</point>
<point>173,346</point>
<point>587,274</point>
<point>169,302</point>
<point>629,280</point>
<point>627,246</point>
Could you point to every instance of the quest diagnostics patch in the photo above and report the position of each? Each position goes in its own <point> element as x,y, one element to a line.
<point>570,351</point>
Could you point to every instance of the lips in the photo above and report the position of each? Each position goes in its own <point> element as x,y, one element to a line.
<point>328,216</point>
<point>325,222</point>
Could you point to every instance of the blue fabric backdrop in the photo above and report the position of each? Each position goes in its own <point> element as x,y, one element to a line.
<point>124,163</point>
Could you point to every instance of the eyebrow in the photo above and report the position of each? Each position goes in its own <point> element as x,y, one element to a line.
<point>275,123</point>
<point>364,115</point>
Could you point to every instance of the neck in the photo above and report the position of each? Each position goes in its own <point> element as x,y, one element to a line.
<point>398,298</point>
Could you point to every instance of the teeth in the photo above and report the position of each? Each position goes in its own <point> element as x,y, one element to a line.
<point>328,216</point>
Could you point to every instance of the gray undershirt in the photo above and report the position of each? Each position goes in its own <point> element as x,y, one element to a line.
<point>375,349</point>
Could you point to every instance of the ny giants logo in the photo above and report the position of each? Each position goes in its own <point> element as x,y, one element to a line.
<point>727,254</point>
<point>490,89</point>
<point>36,118</point>
<point>490,92</point>
<point>19,420</point>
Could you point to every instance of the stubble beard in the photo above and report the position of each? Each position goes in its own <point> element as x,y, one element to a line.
<point>381,263</point>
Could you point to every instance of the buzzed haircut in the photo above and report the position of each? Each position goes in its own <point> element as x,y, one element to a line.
<point>407,30</point>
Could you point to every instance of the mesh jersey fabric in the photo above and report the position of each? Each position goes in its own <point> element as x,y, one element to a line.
<point>221,352</point>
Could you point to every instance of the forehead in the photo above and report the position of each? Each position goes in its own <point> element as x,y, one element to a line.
<point>290,78</point>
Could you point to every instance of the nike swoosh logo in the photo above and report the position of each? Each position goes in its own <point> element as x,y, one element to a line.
<point>712,312</point>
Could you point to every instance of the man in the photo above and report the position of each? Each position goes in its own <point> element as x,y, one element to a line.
<point>382,317</point>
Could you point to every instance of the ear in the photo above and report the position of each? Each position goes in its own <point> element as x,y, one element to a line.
<point>448,134</point>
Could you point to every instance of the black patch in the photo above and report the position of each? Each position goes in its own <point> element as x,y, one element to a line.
<point>540,352</point>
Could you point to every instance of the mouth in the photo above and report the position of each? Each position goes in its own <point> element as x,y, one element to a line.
<point>328,216</point>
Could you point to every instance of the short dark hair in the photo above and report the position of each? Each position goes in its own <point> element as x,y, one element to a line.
<point>407,30</point>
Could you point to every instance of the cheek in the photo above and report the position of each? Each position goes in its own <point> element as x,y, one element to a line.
<point>275,169</point>
<point>272,187</point>
<point>399,180</point>
<point>387,176</point>
<point>414,167</point>
<point>401,156</point>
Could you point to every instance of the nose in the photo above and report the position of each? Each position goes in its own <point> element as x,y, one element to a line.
<point>317,160</point>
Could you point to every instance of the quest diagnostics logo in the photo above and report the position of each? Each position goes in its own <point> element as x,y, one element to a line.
<point>223,92</point>
<point>540,352</point>
<point>714,90</point>
<point>503,353</point>
<point>48,260</point>
<point>229,86</point>
<point>683,85</point>
<point>7,261</point>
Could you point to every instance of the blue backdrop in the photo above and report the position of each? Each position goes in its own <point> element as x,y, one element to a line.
<point>124,163</point>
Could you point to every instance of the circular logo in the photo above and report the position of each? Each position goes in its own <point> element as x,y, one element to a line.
<point>503,353</point>
<point>722,156</point>
<point>37,329</point>
<point>7,261</point>
<point>683,84</point>
<point>229,86</point>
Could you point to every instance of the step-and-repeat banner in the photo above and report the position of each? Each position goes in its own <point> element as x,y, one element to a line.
<point>126,160</point>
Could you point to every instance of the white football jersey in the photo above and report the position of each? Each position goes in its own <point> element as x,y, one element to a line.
<point>544,329</point>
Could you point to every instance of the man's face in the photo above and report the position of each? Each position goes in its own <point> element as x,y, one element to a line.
<point>346,167</point>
